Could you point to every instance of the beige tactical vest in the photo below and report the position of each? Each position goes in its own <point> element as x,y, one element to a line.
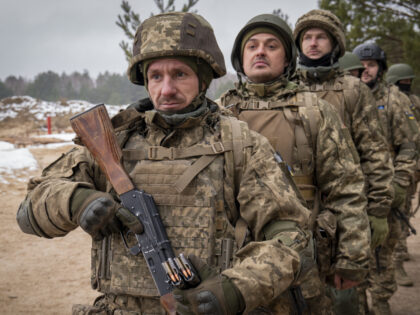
<point>189,188</point>
<point>291,126</point>
<point>343,93</point>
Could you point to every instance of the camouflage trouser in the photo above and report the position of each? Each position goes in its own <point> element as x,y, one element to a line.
<point>381,284</point>
<point>314,292</point>
<point>111,304</point>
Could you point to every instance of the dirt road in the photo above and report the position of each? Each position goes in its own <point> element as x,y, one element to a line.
<point>41,276</point>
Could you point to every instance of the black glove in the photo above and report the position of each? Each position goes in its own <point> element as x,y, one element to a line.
<point>96,212</point>
<point>216,294</point>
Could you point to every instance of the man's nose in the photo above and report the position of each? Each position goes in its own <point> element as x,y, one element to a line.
<point>314,41</point>
<point>168,86</point>
<point>260,50</point>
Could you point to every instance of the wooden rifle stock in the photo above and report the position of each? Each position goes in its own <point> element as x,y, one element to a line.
<point>95,130</point>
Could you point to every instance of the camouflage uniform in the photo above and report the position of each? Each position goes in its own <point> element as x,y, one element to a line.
<point>310,137</point>
<point>199,205</point>
<point>394,75</point>
<point>356,107</point>
<point>395,122</point>
<point>401,250</point>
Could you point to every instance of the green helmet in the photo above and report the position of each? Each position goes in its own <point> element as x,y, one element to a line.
<point>350,62</point>
<point>267,20</point>
<point>175,34</point>
<point>325,20</point>
<point>399,71</point>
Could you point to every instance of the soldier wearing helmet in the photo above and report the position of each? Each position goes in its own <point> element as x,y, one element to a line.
<point>351,63</point>
<point>222,197</point>
<point>312,142</point>
<point>401,133</point>
<point>319,37</point>
<point>402,75</point>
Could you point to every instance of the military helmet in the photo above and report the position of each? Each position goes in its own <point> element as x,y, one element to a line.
<point>371,51</point>
<point>399,71</point>
<point>175,34</point>
<point>325,20</point>
<point>272,21</point>
<point>350,62</point>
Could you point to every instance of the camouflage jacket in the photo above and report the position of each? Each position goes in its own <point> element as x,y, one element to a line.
<point>356,106</point>
<point>334,163</point>
<point>196,219</point>
<point>409,108</point>
<point>415,106</point>
<point>399,133</point>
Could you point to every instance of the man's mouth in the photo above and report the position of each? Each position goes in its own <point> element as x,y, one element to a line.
<point>260,63</point>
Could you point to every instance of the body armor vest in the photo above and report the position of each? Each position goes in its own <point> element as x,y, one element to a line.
<point>291,126</point>
<point>187,185</point>
<point>342,92</point>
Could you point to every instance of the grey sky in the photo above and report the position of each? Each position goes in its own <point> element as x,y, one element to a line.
<point>78,35</point>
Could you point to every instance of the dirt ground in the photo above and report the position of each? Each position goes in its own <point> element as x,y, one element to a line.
<point>42,276</point>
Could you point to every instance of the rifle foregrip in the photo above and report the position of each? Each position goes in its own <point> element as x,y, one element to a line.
<point>95,130</point>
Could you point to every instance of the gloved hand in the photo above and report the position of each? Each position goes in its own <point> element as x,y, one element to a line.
<point>216,294</point>
<point>400,194</point>
<point>379,230</point>
<point>96,212</point>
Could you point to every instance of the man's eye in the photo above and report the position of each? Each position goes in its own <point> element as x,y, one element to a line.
<point>250,46</point>
<point>155,77</point>
<point>180,74</point>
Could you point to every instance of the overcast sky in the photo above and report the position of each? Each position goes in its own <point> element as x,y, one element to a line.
<point>77,35</point>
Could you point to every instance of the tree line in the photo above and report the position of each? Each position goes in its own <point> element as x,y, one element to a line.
<point>108,88</point>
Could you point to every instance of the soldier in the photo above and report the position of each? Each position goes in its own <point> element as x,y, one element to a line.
<point>319,36</point>
<point>402,75</point>
<point>308,135</point>
<point>400,138</point>
<point>239,189</point>
<point>351,63</point>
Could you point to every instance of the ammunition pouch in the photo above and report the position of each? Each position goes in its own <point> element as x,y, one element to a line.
<point>325,241</point>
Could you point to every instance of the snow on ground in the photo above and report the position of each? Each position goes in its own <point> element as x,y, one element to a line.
<point>41,109</point>
<point>13,160</point>
<point>61,136</point>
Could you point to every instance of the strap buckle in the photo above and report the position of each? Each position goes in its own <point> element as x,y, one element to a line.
<point>217,147</point>
<point>161,153</point>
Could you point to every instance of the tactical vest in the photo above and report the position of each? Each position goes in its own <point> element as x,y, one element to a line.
<point>383,99</point>
<point>342,92</point>
<point>194,202</point>
<point>291,126</point>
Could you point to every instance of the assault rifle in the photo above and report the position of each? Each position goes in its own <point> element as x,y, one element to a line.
<point>168,271</point>
<point>402,217</point>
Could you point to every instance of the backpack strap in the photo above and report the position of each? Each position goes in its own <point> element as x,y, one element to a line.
<point>234,162</point>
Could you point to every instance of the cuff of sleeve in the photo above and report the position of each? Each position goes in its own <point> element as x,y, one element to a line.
<point>350,271</point>
<point>379,212</point>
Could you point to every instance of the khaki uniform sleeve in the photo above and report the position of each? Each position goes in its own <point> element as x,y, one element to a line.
<point>371,144</point>
<point>341,183</point>
<point>403,140</point>
<point>415,106</point>
<point>266,268</point>
<point>50,193</point>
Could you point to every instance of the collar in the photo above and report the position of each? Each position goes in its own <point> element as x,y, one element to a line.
<point>265,90</point>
